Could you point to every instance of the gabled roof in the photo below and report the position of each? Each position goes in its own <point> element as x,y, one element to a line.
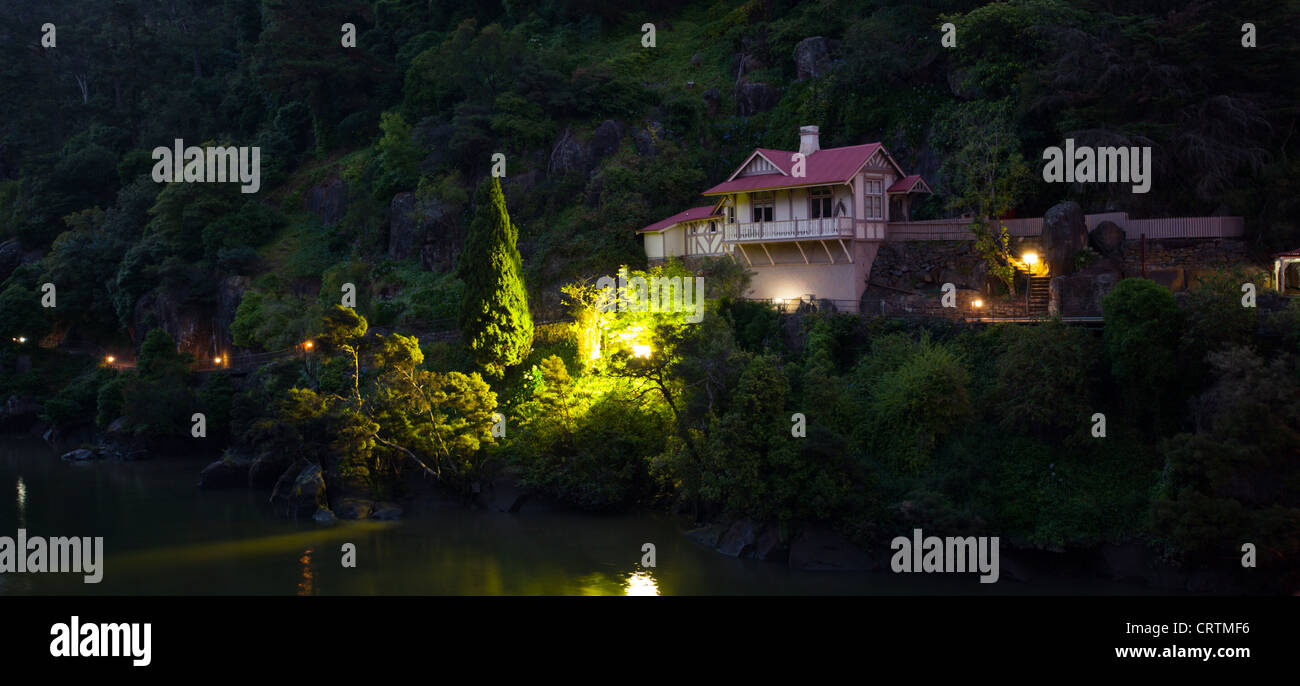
<point>829,166</point>
<point>909,184</point>
<point>689,215</point>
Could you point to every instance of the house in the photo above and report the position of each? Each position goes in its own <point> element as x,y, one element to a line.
<point>808,223</point>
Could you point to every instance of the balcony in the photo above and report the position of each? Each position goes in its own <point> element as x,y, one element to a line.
<point>789,230</point>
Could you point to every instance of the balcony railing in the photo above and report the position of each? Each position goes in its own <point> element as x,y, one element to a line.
<point>790,229</point>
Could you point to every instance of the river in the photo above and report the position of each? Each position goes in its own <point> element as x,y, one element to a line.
<point>162,535</point>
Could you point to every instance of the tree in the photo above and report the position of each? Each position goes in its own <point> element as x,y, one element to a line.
<point>494,319</point>
<point>985,174</point>
<point>1143,328</point>
<point>342,330</point>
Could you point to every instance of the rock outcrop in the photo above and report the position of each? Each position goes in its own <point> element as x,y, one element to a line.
<point>423,229</point>
<point>814,56</point>
<point>605,139</point>
<point>328,200</point>
<point>753,97</point>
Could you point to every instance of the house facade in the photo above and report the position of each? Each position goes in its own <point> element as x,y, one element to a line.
<point>808,223</point>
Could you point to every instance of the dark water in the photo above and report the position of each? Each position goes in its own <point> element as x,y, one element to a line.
<point>164,536</point>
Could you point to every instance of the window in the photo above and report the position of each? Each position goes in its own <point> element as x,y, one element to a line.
<point>763,206</point>
<point>875,201</point>
<point>819,203</point>
<point>731,214</point>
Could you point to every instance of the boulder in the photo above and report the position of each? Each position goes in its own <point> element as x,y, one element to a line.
<point>301,489</point>
<point>754,98</point>
<point>225,474</point>
<point>324,515</point>
<point>821,549</point>
<point>11,256</point>
<point>328,200</point>
<point>1064,235</point>
<point>353,508</point>
<point>604,141</point>
<point>1107,238</point>
<point>739,539</point>
<point>814,56</point>
<point>80,455</point>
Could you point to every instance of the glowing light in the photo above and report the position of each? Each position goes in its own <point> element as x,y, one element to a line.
<point>1031,258</point>
<point>216,360</point>
<point>641,583</point>
<point>978,303</point>
<point>110,359</point>
<point>641,350</point>
<point>308,345</point>
<point>22,501</point>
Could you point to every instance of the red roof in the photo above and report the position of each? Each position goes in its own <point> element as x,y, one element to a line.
<point>905,184</point>
<point>832,165</point>
<point>688,215</point>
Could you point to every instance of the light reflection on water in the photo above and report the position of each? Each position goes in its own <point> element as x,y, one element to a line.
<point>642,582</point>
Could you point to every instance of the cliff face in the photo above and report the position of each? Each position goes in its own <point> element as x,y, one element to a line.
<point>200,330</point>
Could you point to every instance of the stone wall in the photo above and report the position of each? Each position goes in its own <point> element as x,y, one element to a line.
<point>1183,253</point>
<point>918,265</point>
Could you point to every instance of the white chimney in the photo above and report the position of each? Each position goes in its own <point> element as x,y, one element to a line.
<point>808,140</point>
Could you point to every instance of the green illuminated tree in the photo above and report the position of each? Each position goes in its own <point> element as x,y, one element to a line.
<point>494,319</point>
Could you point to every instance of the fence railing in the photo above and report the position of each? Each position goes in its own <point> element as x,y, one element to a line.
<point>958,229</point>
<point>1186,227</point>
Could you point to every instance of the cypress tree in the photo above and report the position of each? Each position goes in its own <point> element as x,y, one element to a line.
<point>494,320</point>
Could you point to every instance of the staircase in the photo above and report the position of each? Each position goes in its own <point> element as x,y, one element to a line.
<point>1040,295</point>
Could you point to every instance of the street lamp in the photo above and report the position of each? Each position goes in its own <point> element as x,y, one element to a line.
<point>1031,259</point>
